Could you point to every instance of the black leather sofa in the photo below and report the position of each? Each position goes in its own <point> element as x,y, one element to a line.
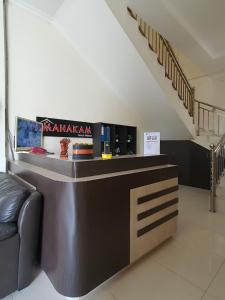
<point>20,221</point>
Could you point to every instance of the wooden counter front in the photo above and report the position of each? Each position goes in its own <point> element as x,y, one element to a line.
<point>95,225</point>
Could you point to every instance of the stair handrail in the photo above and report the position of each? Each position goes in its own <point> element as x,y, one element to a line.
<point>217,169</point>
<point>211,105</point>
<point>217,151</point>
<point>205,112</point>
<point>173,70</point>
<point>170,49</point>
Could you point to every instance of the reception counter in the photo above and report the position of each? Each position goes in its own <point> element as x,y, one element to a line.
<point>100,215</point>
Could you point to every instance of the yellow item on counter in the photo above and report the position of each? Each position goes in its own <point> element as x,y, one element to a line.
<point>106,155</point>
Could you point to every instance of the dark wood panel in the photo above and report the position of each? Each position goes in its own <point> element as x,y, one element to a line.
<point>86,227</point>
<point>179,154</point>
<point>98,167</point>
<point>200,166</point>
<point>157,223</point>
<point>92,167</point>
<point>156,209</point>
<point>193,162</point>
<point>157,194</point>
<point>118,139</point>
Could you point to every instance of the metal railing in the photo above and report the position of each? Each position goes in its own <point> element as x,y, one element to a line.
<point>217,169</point>
<point>209,118</point>
<point>167,58</point>
<point>206,117</point>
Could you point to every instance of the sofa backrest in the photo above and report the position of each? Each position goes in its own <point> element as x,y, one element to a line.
<point>12,196</point>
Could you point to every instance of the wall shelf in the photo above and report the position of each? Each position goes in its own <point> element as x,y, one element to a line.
<point>119,135</point>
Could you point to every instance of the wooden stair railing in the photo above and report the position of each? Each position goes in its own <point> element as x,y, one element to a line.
<point>207,117</point>
<point>167,58</point>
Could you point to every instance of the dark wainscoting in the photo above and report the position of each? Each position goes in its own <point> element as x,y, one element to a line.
<point>192,159</point>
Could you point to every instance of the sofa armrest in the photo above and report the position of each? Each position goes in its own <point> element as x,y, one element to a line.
<point>29,229</point>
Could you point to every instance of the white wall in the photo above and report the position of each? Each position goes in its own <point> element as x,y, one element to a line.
<point>49,78</point>
<point>2,93</point>
<point>210,90</point>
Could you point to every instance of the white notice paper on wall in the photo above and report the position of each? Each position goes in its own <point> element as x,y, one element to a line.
<point>151,143</point>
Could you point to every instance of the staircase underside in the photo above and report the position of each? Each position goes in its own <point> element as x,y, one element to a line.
<point>113,46</point>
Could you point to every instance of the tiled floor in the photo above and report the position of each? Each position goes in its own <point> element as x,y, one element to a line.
<point>190,266</point>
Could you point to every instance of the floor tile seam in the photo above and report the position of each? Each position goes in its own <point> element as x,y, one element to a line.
<point>185,244</point>
<point>214,277</point>
<point>113,296</point>
<point>205,294</point>
<point>214,297</point>
<point>186,235</point>
<point>211,230</point>
<point>180,275</point>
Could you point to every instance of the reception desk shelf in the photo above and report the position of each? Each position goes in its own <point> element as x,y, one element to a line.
<point>122,139</point>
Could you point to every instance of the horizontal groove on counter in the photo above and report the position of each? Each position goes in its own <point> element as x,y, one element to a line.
<point>152,196</point>
<point>156,209</point>
<point>156,223</point>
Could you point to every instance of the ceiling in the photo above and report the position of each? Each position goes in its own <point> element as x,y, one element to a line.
<point>47,8</point>
<point>197,27</point>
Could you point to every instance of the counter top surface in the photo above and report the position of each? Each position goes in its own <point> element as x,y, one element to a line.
<point>59,177</point>
<point>71,160</point>
<point>93,167</point>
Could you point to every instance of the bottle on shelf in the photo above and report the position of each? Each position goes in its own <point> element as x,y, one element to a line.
<point>102,133</point>
<point>117,151</point>
<point>106,154</point>
<point>129,138</point>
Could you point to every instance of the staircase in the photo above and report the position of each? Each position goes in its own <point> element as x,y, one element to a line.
<point>166,57</point>
<point>209,120</point>
<point>205,158</point>
<point>138,64</point>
